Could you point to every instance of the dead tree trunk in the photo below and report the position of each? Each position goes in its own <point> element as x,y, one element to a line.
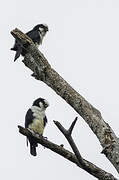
<point>42,71</point>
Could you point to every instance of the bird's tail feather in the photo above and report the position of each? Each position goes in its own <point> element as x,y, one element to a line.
<point>17,55</point>
<point>27,141</point>
<point>33,150</point>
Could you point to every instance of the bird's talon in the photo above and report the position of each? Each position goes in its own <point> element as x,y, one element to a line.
<point>45,138</point>
<point>31,131</point>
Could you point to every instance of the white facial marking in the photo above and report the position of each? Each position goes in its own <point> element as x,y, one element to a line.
<point>40,103</point>
<point>41,106</point>
<point>42,33</point>
<point>46,102</point>
<point>45,25</point>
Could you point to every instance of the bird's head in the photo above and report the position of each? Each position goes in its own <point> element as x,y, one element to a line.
<point>41,103</point>
<point>41,28</point>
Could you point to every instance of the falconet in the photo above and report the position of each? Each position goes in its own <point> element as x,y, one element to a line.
<point>36,34</point>
<point>35,121</point>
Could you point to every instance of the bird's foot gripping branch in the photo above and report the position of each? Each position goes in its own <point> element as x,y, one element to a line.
<point>75,157</point>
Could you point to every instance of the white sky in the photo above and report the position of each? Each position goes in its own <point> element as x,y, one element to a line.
<point>82,45</point>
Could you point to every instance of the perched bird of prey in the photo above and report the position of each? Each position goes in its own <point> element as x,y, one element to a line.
<point>35,121</point>
<point>36,34</point>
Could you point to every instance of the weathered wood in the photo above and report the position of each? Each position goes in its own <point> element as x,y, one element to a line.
<point>44,72</point>
<point>94,170</point>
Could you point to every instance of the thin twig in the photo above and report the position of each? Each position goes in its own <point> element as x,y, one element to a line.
<point>96,171</point>
<point>67,134</point>
<point>72,126</point>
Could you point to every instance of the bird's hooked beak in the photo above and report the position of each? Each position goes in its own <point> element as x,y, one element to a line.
<point>46,27</point>
<point>46,103</point>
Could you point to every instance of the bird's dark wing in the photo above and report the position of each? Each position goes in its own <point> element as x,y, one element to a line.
<point>34,35</point>
<point>28,118</point>
<point>33,143</point>
<point>45,120</point>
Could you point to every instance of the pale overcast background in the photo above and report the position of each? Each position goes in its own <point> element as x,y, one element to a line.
<point>82,45</point>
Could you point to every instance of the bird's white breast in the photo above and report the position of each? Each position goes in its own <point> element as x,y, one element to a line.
<point>38,123</point>
<point>37,126</point>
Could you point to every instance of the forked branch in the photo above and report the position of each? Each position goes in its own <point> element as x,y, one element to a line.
<point>68,135</point>
<point>42,70</point>
<point>94,170</point>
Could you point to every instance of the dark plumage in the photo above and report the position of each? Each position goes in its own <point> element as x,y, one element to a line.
<point>35,120</point>
<point>36,34</point>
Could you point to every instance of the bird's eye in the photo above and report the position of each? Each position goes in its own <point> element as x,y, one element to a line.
<point>46,104</point>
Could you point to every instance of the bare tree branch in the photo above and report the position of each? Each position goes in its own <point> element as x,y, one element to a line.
<point>67,134</point>
<point>72,126</point>
<point>43,71</point>
<point>94,170</point>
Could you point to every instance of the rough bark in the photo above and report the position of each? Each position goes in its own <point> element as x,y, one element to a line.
<point>44,72</point>
<point>59,149</point>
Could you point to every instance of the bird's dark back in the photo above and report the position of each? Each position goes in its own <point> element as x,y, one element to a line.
<point>34,35</point>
